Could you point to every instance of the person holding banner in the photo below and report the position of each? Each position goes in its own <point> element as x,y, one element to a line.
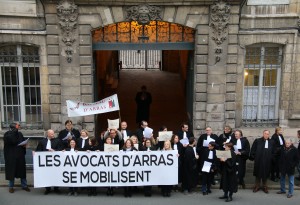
<point>229,177</point>
<point>138,145</point>
<point>14,156</point>
<point>68,133</point>
<point>176,145</point>
<point>73,191</point>
<point>83,142</point>
<point>242,149</point>
<point>166,189</point>
<point>116,137</point>
<point>50,143</point>
<point>128,147</point>
<point>190,173</point>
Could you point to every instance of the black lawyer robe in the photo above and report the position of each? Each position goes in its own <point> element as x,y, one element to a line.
<point>14,155</point>
<point>262,157</point>
<point>190,171</point>
<point>229,178</point>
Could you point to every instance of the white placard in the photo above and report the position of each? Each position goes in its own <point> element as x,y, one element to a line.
<point>108,104</point>
<point>103,169</point>
<point>23,143</point>
<point>113,124</point>
<point>223,154</point>
<point>165,135</point>
<point>111,147</point>
<point>184,141</point>
<point>206,166</point>
<point>267,2</point>
<point>148,132</point>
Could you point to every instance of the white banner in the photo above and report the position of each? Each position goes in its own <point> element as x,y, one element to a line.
<point>103,169</point>
<point>108,104</point>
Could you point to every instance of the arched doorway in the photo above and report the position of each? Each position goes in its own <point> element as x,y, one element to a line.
<point>170,81</point>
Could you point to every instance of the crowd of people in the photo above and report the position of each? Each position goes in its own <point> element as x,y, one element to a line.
<point>274,157</point>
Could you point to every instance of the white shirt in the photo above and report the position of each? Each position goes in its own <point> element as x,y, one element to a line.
<point>184,135</point>
<point>48,146</point>
<point>238,144</point>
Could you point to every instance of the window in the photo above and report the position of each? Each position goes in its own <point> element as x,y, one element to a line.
<point>261,85</point>
<point>20,91</point>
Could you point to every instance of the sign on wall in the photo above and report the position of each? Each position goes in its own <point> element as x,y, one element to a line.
<point>98,169</point>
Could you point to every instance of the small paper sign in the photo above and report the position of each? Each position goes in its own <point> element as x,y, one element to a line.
<point>111,147</point>
<point>223,154</point>
<point>113,124</point>
<point>165,135</point>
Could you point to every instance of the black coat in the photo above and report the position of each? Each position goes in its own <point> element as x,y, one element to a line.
<point>277,145</point>
<point>139,134</point>
<point>63,133</point>
<point>241,159</point>
<point>180,150</point>
<point>288,160</point>
<point>204,157</point>
<point>55,145</point>
<point>143,101</point>
<point>262,157</point>
<point>201,139</point>
<point>190,171</point>
<point>79,143</point>
<point>14,155</point>
<point>229,177</point>
<point>189,134</point>
<point>222,138</point>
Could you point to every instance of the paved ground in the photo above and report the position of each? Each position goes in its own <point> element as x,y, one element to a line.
<point>245,197</point>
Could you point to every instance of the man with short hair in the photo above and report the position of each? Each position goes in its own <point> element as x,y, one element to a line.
<point>184,132</point>
<point>262,152</point>
<point>125,132</point>
<point>14,156</point>
<point>50,144</point>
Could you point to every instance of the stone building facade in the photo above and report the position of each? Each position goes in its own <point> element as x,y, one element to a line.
<point>246,60</point>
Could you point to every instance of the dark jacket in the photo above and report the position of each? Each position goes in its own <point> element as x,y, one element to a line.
<point>55,145</point>
<point>288,160</point>
<point>229,177</point>
<point>201,139</point>
<point>189,134</point>
<point>63,133</point>
<point>14,155</point>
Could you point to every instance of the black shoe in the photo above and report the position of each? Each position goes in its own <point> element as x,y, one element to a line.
<point>108,192</point>
<point>223,197</point>
<point>204,193</point>
<point>47,192</point>
<point>228,199</point>
<point>208,191</point>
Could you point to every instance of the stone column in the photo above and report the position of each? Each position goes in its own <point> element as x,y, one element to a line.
<point>217,64</point>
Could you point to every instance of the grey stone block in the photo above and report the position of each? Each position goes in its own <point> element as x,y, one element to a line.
<point>70,80</point>
<point>85,60</point>
<point>232,49</point>
<point>71,90</point>
<point>85,70</point>
<point>216,117</point>
<point>86,80</point>
<point>54,99</point>
<point>201,59</point>
<point>231,69</point>
<point>200,106</point>
<point>87,98</point>
<point>70,70</point>
<point>200,87</point>
<point>52,50</point>
<point>51,18</point>
<point>54,70</point>
<point>216,126</point>
<point>169,14</point>
<point>202,39</point>
<point>230,106</point>
<point>232,59</point>
<point>56,126</point>
<point>215,89</point>
<point>215,98</point>
<point>85,50</point>
<point>235,9</point>
<point>86,89</point>
<point>84,29</point>
<point>201,78</point>
<point>54,79</point>
<point>52,29</point>
<point>215,108</point>
<point>234,19</point>
<point>64,98</point>
<point>53,60</point>
<point>85,40</point>
<point>201,97</point>
<point>55,118</point>
<point>201,69</point>
<point>231,78</point>
<point>199,125</point>
<point>233,29</point>
<point>52,39</point>
<point>117,13</point>
<point>201,49</point>
<point>94,20</point>
<point>230,122</point>
<point>202,29</point>
<point>181,14</point>
<point>90,119</point>
<point>230,97</point>
<point>200,115</point>
<point>230,115</point>
<point>232,39</point>
<point>54,89</point>
<point>55,108</point>
<point>230,87</point>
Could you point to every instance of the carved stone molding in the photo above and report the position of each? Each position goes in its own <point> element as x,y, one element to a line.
<point>68,14</point>
<point>219,20</point>
<point>143,13</point>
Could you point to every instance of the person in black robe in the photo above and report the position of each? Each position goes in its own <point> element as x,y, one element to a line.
<point>50,143</point>
<point>278,139</point>
<point>184,132</point>
<point>242,149</point>
<point>69,131</point>
<point>262,152</point>
<point>208,156</point>
<point>83,142</point>
<point>140,131</point>
<point>116,137</point>
<point>176,145</point>
<point>143,100</point>
<point>228,172</point>
<point>14,156</point>
<point>288,161</point>
<point>190,172</point>
<point>225,137</point>
<point>124,131</point>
